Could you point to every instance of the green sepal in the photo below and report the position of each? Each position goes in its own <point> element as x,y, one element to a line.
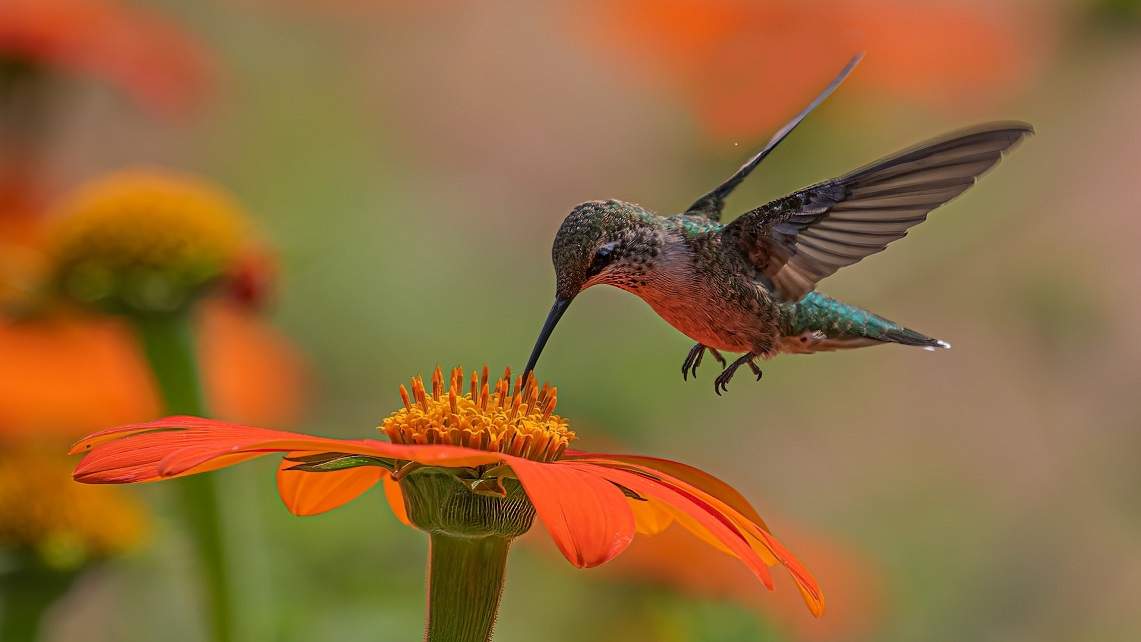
<point>629,493</point>
<point>439,501</point>
<point>328,462</point>
<point>489,487</point>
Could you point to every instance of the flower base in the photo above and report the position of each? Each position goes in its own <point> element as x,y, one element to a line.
<point>440,501</point>
<point>467,556</point>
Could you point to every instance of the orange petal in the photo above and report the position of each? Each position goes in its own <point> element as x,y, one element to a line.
<point>587,517</point>
<point>723,496</point>
<point>127,430</point>
<point>395,498</point>
<point>650,518</point>
<point>312,493</point>
<point>760,541</point>
<point>65,376</point>
<point>68,375</point>
<point>693,476</point>
<point>178,446</point>
<point>702,514</point>
<point>700,532</point>
<point>250,372</point>
<point>139,50</point>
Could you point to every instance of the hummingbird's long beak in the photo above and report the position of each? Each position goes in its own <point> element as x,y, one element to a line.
<point>553,317</point>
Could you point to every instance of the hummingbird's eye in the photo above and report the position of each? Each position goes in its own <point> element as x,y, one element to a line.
<point>602,258</point>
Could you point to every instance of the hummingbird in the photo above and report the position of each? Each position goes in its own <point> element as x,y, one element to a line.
<point>748,286</point>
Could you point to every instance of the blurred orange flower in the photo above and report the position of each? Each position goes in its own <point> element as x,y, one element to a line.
<point>66,374</point>
<point>351,8</point>
<point>746,66</point>
<point>853,587</point>
<point>69,375</point>
<point>140,51</point>
<point>21,199</point>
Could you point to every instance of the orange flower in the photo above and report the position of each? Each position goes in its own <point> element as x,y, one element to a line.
<point>354,8</point>
<point>853,587</point>
<point>21,202</point>
<point>63,373</point>
<point>489,440</point>
<point>746,66</point>
<point>70,375</point>
<point>141,52</point>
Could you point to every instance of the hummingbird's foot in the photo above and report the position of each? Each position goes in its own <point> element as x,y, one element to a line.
<point>693,360</point>
<point>722,382</point>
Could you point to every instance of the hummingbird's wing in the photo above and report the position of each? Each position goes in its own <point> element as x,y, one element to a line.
<point>711,204</point>
<point>795,241</point>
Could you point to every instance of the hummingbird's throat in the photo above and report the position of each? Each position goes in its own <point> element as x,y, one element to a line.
<point>514,419</point>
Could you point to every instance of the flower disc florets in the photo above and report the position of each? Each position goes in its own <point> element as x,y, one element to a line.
<point>62,524</point>
<point>515,419</point>
<point>145,241</point>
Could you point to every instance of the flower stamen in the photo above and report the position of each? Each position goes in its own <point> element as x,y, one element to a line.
<point>521,423</point>
<point>437,383</point>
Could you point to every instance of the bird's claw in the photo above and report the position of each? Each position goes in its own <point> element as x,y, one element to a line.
<point>693,360</point>
<point>721,383</point>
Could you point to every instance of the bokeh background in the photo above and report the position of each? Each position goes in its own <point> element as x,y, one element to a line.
<point>409,163</point>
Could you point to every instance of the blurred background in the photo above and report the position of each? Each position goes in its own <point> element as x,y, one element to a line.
<point>407,164</point>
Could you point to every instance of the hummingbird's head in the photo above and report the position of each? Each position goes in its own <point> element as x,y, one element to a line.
<point>598,242</point>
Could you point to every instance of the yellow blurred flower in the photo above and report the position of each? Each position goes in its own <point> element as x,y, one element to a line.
<point>64,524</point>
<point>145,241</point>
<point>150,237</point>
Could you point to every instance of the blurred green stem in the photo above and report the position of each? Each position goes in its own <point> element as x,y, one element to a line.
<point>27,594</point>
<point>465,581</point>
<point>168,342</point>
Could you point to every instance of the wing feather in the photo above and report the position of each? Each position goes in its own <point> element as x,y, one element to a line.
<point>797,240</point>
<point>712,203</point>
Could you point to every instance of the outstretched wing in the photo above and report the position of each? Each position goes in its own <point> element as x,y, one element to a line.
<point>795,241</point>
<point>711,204</point>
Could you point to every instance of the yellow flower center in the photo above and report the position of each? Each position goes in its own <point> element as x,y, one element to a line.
<point>65,524</point>
<point>512,419</point>
<point>145,240</point>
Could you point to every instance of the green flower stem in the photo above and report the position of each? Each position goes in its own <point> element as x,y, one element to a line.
<point>168,342</point>
<point>465,581</point>
<point>25,597</point>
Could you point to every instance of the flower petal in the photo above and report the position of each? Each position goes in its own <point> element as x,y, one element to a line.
<point>312,493</point>
<point>761,543</point>
<point>692,512</point>
<point>118,432</point>
<point>395,498</point>
<point>723,496</point>
<point>699,531</point>
<point>650,518</point>
<point>693,476</point>
<point>587,516</point>
<point>178,446</point>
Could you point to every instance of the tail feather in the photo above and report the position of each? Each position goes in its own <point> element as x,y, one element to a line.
<point>909,337</point>
<point>819,323</point>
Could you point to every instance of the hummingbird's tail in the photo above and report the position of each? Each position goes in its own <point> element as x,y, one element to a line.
<point>819,323</point>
